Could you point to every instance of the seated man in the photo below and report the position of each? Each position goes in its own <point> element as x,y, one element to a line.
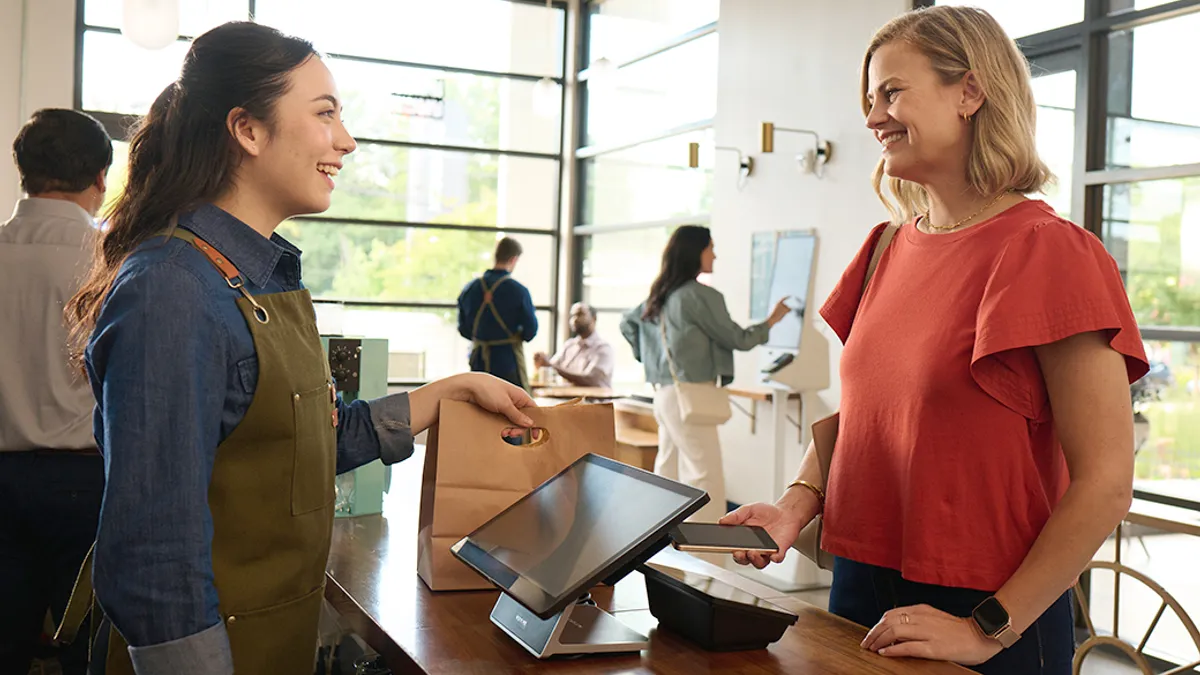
<point>586,360</point>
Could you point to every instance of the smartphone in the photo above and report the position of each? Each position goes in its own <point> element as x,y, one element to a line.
<point>713,538</point>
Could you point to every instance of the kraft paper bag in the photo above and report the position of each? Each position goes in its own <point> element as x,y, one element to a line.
<point>471,475</point>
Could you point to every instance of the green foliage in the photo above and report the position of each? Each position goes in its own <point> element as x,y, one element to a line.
<point>1161,290</point>
<point>389,183</point>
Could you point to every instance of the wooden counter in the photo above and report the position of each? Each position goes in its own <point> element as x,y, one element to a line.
<point>372,580</point>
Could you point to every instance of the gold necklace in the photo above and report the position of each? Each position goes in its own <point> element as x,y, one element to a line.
<point>964,221</point>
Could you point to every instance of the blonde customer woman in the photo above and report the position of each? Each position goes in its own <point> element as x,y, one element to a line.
<point>985,447</point>
<point>701,337</point>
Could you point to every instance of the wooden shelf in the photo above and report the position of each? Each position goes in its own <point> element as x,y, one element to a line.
<point>639,438</point>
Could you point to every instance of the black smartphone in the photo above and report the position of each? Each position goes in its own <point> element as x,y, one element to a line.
<point>714,538</point>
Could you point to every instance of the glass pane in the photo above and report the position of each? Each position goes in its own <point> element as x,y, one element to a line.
<point>618,267</point>
<point>1026,17</point>
<point>429,106</point>
<point>1055,96</point>
<point>619,29</point>
<point>118,76</point>
<point>1152,120</point>
<point>118,174</point>
<point>408,264</point>
<point>1152,228</point>
<point>436,186</point>
<point>1122,6</point>
<point>1167,558</point>
<point>660,93</point>
<point>1166,406</point>
<point>423,344</point>
<point>194,17</point>
<point>647,182</point>
<point>626,369</point>
<point>481,34</point>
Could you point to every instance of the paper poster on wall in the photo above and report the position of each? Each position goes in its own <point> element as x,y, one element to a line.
<point>782,265</point>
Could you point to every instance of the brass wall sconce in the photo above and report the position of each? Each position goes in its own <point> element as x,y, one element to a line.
<point>811,161</point>
<point>745,162</point>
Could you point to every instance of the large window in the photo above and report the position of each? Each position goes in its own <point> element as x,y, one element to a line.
<point>658,95</point>
<point>452,153</point>
<point>1026,17</point>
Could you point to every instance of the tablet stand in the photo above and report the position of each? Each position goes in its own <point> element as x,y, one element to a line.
<point>581,628</point>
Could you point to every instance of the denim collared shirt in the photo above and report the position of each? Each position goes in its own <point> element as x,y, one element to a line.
<point>172,364</point>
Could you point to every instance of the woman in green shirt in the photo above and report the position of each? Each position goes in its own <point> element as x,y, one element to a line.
<point>701,336</point>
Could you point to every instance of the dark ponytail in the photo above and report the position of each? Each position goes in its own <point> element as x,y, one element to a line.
<point>182,154</point>
<point>680,264</point>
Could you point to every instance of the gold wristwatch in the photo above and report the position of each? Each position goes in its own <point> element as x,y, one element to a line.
<point>994,622</point>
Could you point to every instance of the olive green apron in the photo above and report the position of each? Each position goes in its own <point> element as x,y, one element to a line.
<point>271,495</point>
<point>484,347</point>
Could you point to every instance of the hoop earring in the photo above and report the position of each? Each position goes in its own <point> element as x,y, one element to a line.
<point>966,118</point>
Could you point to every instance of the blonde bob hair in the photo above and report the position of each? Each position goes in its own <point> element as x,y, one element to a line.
<point>1003,151</point>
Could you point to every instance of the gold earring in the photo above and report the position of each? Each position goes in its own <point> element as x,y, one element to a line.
<point>966,117</point>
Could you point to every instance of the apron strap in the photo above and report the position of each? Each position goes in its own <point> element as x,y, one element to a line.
<point>485,346</point>
<point>81,601</point>
<point>489,297</point>
<point>225,266</point>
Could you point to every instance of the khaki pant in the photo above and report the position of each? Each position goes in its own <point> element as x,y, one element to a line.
<point>690,454</point>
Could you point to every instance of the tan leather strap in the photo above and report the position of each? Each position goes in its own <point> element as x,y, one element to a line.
<point>880,246</point>
<point>79,604</point>
<point>233,277</point>
<point>662,329</point>
<point>227,268</point>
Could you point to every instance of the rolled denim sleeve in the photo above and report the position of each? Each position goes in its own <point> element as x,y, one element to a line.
<point>371,430</point>
<point>392,419</point>
<point>159,362</point>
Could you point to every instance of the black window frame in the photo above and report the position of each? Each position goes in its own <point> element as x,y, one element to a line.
<point>118,125</point>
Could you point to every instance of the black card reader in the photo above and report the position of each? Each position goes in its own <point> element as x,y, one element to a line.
<point>779,363</point>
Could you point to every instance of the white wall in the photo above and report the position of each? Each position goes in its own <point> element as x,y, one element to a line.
<point>795,63</point>
<point>37,66</point>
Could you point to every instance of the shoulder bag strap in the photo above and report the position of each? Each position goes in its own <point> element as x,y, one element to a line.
<point>880,246</point>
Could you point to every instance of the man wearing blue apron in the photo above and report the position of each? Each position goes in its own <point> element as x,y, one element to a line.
<point>495,312</point>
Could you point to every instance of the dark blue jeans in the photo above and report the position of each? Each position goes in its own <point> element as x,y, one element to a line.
<point>862,593</point>
<point>49,506</point>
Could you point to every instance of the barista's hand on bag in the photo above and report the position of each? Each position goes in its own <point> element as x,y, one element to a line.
<point>495,395</point>
<point>782,524</point>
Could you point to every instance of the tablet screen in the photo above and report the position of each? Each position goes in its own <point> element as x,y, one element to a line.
<point>576,528</point>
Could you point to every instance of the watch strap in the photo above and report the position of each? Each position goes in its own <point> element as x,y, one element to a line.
<point>1007,637</point>
<point>1005,634</point>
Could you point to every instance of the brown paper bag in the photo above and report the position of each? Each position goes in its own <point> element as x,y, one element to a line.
<point>471,475</point>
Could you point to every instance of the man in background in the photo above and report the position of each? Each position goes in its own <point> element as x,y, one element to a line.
<point>585,360</point>
<point>51,475</point>
<point>495,312</point>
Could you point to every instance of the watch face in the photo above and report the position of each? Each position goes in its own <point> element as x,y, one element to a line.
<point>991,616</point>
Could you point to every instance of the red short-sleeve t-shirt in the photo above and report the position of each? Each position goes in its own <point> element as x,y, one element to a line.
<point>947,465</point>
